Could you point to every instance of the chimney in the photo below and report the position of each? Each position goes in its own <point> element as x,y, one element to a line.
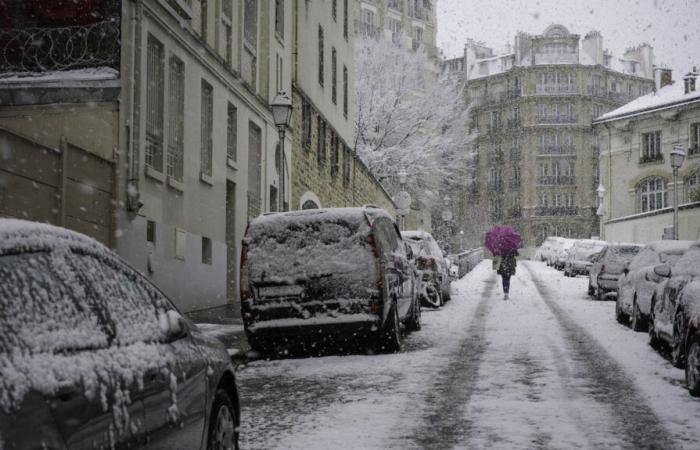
<point>689,80</point>
<point>662,77</point>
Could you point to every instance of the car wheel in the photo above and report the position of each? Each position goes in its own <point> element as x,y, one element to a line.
<point>599,294</point>
<point>654,340</point>
<point>222,424</point>
<point>637,319</point>
<point>591,291</point>
<point>390,341</point>
<point>620,315</point>
<point>677,350</point>
<point>413,323</point>
<point>692,366</point>
<point>432,297</point>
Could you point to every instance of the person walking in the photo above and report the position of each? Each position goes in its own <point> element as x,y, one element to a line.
<point>506,269</point>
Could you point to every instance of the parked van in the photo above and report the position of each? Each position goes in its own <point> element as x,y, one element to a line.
<point>320,275</point>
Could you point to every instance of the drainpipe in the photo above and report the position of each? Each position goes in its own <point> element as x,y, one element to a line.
<point>133,203</point>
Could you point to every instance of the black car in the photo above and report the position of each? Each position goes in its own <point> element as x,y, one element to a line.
<point>323,277</point>
<point>92,355</point>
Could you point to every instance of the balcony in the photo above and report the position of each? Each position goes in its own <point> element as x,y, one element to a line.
<point>603,92</point>
<point>43,49</point>
<point>419,13</point>
<point>515,154</point>
<point>556,119</point>
<point>652,159</point>
<point>557,150</point>
<point>556,180</point>
<point>495,186</point>
<point>556,211</point>
<point>556,89</point>
<point>367,29</point>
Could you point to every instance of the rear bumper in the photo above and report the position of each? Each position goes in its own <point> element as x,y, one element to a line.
<point>359,325</point>
<point>608,283</point>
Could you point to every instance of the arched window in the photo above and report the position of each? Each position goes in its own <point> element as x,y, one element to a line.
<point>692,187</point>
<point>652,194</point>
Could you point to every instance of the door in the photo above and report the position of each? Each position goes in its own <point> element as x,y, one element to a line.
<point>397,267</point>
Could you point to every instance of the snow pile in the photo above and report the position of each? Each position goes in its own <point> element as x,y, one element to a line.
<point>61,76</point>
<point>667,95</point>
<point>689,263</point>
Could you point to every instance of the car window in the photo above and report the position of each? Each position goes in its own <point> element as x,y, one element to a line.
<point>43,309</point>
<point>132,306</point>
<point>646,257</point>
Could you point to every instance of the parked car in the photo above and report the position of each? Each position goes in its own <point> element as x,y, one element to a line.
<point>671,310</point>
<point>636,289</point>
<point>580,257</point>
<point>545,251</point>
<point>94,356</point>
<point>691,298</point>
<point>430,262</point>
<point>561,252</point>
<point>607,267</point>
<point>337,275</point>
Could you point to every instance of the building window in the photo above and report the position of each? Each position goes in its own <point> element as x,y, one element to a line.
<point>232,132</point>
<point>155,91</point>
<point>345,19</point>
<point>279,18</point>
<point>321,141</point>
<point>207,127</point>
<point>652,194</point>
<point>306,124</point>
<point>320,55</point>
<point>346,165</point>
<point>254,168</point>
<point>228,33</point>
<point>227,9</point>
<point>395,28</point>
<point>250,23</point>
<point>180,243</point>
<point>176,118</point>
<point>334,155</point>
<point>334,76</point>
<point>692,187</point>
<point>206,250</point>
<point>345,91</point>
<point>694,139</point>
<point>273,199</point>
<point>334,10</point>
<point>151,232</point>
<point>651,147</point>
<point>204,18</point>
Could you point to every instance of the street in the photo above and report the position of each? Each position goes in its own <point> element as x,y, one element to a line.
<point>548,369</point>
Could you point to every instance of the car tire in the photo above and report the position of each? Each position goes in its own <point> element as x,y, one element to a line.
<point>413,322</point>
<point>599,294</point>
<point>692,366</point>
<point>432,297</point>
<point>621,317</point>
<point>638,322</point>
<point>591,291</point>
<point>390,338</point>
<point>677,347</point>
<point>222,423</point>
<point>654,340</point>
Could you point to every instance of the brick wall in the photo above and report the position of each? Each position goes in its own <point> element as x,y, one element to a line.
<point>309,173</point>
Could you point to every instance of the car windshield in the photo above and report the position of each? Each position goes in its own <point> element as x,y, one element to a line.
<point>621,254</point>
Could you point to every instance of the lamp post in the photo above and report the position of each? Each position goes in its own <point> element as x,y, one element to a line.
<point>600,212</point>
<point>281,113</point>
<point>403,199</point>
<point>677,158</point>
<point>461,240</point>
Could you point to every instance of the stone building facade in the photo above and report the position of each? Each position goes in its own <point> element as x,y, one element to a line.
<point>635,164</point>
<point>536,164</point>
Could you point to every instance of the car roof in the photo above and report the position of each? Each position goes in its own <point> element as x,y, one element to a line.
<point>370,213</point>
<point>670,246</point>
<point>18,236</point>
<point>416,234</point>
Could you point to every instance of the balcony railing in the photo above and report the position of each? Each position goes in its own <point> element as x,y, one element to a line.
<point>649,159</point>
<point>556,211</point>
<point>557,150</point>
<point>495,186</point>
<point>41,49</point>
<point>556,89</point>
<point>515,154</point>
<point>603,92</point>
<point>554,119</point>
<point>367,29</point>
<point>557,180</point>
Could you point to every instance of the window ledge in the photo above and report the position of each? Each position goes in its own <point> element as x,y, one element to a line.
<point>651,162</point>
<point>231,163</point>
<point>207,179</point>
<point>175,184</point>
<point>155,174</point>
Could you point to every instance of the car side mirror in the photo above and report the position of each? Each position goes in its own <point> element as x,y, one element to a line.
<point>663,270</point>
<point>173,326</point>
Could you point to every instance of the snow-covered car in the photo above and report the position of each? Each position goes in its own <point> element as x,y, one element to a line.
<point>430,262</point>
<point>326,276</point>
<point>672,310</point>
<point>561,253</point>
<point>92,355</point>
<point>691,299</point>
<point>580,256</point>
<point>544,252</point>
<point>635,287</point>
<point>607,268</point>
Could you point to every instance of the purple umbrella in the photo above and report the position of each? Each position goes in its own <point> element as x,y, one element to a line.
<point>502,239</point>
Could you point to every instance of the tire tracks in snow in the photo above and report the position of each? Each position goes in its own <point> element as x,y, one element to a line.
<point>443,424</point>
<point>609,384</point>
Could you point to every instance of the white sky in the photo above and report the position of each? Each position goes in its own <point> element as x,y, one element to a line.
<point>672,27</point>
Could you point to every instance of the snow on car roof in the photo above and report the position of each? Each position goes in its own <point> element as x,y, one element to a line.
<point>22,235</point>
<point>670,246</point>
<point>326,214</point>
<point>416,234</point>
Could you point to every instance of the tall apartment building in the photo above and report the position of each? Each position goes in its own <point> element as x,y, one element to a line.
<point>412,23</point>
<point>154,133</point>
<point>325,169</point>
<point>537,156</point>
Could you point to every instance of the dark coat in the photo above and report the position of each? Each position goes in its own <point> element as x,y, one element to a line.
<point>508,263</point>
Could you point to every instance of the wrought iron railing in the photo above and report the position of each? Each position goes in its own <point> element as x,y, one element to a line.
<point>41,49</point>
<point>653,158</point>
<point>555,89</point>
<point>557,149</point>
<point>495,186</point>
<point>515,154</point>
<point>556,119</point>
<point>561,180</point>
<point>556,211</point>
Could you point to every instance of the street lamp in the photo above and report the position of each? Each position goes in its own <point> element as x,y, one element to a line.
<point>461,240</point>
<point>677,158</point>
<point>281,113</point>
<point>600,212</point>
<point>403,199</point>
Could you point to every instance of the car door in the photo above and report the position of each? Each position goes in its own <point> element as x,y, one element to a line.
<point>171,372</point>
<point>394,262</point>
<point>408,279</point>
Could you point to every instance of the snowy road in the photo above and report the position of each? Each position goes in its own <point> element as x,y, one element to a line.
<point>549,369</point>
